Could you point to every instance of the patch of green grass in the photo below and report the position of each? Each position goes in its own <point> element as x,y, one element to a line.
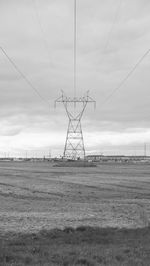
<point>83,246</point>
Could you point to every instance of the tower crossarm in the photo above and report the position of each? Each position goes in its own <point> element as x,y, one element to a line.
<point>66,101</point>
<point>85,99</point>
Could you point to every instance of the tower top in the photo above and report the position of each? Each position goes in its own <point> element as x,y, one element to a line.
<point>85,99</point>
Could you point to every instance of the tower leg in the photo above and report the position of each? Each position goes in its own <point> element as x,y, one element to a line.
<point>74,145</point>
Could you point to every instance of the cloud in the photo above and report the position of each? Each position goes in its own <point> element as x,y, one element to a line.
<point>118,138</point>
<point>38,36</point>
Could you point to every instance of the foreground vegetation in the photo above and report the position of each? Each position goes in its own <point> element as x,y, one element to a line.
<point>86,246</point>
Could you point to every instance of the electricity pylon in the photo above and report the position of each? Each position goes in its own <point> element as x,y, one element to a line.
<point>75,107</point>
<point>74,145</point>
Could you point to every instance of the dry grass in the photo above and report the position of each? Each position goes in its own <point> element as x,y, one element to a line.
<point>81,246</point>
<point>34,196</point>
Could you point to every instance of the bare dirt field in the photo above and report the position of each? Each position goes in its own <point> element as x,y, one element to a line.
<point>35,196</point>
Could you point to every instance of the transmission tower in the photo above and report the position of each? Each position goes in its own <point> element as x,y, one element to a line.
<point>75,107</point>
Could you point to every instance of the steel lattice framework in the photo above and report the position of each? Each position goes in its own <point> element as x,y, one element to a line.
<point>74,145</point>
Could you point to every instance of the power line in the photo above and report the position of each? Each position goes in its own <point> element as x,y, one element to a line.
<point>45,43</point>
<point>127,77</point>
<point>112,26</point>
<point>23,76</point>
<point>75,45</point>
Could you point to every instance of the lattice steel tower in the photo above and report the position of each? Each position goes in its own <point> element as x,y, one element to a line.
<point>75,107</point>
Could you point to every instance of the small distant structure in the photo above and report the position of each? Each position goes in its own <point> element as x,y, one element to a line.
<point>118,158</point>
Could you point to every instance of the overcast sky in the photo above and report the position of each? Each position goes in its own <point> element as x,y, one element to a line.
<point>112,35</point>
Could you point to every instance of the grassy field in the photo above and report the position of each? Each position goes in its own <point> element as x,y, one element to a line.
<point>35,196</point>
<point>74,216</point>
<point>82,246</point>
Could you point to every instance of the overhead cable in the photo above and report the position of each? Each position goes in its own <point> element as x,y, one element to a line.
<point>23,76</point>
<point>112,26</point>
<point>42,30</point>
<point>127,77</point>
<point>75,45</point>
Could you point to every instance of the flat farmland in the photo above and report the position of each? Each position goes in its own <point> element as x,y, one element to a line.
<point>36,195</point>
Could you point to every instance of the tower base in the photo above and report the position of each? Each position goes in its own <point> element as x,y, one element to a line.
<point>74,163</point>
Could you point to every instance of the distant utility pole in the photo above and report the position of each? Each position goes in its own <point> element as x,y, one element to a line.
<point>145,150</point>
<point>49,154</point>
